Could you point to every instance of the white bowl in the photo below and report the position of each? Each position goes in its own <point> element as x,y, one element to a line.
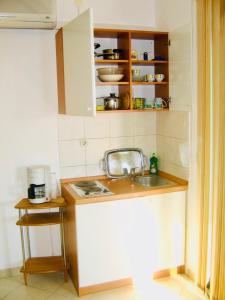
<point>112,77</point>
<point>110,71</point>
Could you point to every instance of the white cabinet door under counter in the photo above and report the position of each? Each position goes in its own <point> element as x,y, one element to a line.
<point>118,241</point>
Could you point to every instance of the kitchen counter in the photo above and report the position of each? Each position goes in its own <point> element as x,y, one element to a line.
<point>121,189</point>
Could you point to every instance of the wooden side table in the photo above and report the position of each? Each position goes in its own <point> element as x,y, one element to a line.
<point>37,265</point>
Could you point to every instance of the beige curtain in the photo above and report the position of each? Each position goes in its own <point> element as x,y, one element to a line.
<point>218,243</point>
<point>211,89</point>
<point>204,99</point>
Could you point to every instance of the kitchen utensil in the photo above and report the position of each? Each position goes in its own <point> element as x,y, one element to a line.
<point>160,103</point>
<point>110,54</point>
<point>158,57</point>
<point>139,103</point>
<point>150,77</point>
<point>96,45</point>
<point>126,101</point>
<point>149,103</point>
<point>159,77</point>
<point>145,55</point>
<point>100,103</point>
<point>113,53</point>
<point>92,189</point>
<point>119,162</point>
<point>112,102</point>
<point>112,77</point>
<point>136,75</point>
<point>134,54</point>
<point>110,71</point>
<point>37,179</point>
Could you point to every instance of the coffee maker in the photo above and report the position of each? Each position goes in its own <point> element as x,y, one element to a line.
<point>37,182</point>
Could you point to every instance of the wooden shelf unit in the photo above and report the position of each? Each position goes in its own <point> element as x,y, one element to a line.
<point>40,219</point>
<point>106,83</point>
<point>148,62</point>
<point>124,42</point>
<point>76,93</point>
<point>111,61</point>
<point>148,83</point>
<point>48,264</point>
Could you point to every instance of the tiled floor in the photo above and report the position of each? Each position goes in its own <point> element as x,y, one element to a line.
<point>51,287</point>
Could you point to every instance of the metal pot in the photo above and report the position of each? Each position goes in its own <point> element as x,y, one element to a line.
<point>110,54</point>
<point>112,102</point>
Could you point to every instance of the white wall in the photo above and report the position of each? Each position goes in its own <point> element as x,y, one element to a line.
<point>172,14</point>
<point>117,12</point>
<point>28,115</point>
<point>28,127</point>
<point>172,142</point>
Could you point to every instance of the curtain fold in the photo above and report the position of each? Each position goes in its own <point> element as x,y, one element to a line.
<point>211,134</point>
<point>217,291</point>
<point>203,127</point>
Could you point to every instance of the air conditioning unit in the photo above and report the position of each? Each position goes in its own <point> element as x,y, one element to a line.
<point>34,14</point>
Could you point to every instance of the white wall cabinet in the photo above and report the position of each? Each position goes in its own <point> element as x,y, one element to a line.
<point>130,238</point>
<point>76,74</point>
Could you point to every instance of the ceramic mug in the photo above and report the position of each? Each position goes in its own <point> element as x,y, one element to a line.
<point>159,77</point>
<point>160,103</point>
<point>149,77</point>
<point>149,103</point>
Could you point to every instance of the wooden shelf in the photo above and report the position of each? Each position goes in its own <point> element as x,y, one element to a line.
<point>111,61</point>
<point>40,219</point>
<point>149,83</point>
<point>132,110</point>
<point>54,203</point>
<point>99,83</point>
<point>46,264</point>
<point>148,62</point>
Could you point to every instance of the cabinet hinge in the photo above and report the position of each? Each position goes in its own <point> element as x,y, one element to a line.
<point>169,42</point>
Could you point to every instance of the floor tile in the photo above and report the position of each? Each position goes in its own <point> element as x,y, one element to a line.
<point>53,287</point>
<point>67,289</point>
<point>6,286</point>
<point>27,293</point>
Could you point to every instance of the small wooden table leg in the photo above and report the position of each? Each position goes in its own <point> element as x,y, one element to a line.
<point>25,278</point>
<point>65,276</point>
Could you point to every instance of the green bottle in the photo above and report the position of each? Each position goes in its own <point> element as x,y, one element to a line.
<point>153,164</point>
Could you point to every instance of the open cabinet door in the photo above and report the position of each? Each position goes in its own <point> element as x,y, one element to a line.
<point>180,70</point>
<point>78,57</point>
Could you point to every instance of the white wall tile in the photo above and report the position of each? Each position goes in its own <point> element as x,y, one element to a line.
<point>71,153</point>
<point>73,172</point>
<point>121,124</point>
<point>174,169</point>
<point>94,170</point>
<point>173,150</point>
<point>146,143</point>
<point>173,124</point>
<point>121,142</point>
<point>95,150</point>
<point>97,127</point>
<point>144,123</point>
<point>70,127</point>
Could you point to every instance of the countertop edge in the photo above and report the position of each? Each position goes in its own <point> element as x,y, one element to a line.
<point>67,191</point>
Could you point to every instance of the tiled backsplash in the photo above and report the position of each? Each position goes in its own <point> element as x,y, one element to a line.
<point>83,140</point>
<point>172,142</point>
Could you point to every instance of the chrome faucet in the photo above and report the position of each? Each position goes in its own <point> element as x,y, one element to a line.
<point>133,174</point>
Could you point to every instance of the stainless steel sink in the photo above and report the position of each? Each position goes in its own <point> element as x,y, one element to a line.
<point>153,181</point>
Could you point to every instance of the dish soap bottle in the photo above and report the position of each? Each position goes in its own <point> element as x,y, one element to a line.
<point>153,164</point>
